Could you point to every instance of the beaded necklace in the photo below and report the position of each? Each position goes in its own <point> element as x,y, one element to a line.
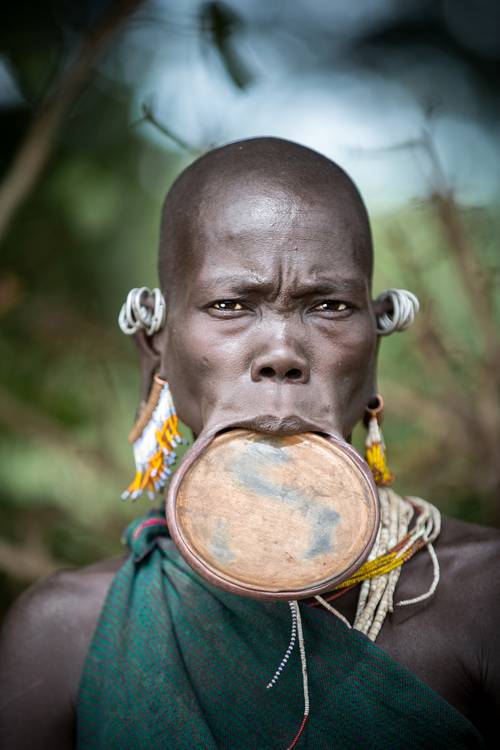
<point>396,543</point>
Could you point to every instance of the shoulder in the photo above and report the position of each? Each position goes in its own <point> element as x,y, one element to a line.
<point>467,549</point>
<point>43,646</point>
<point>469,562</point>
<point>469,559</point>
<point>66,605</point>
<point>469,556</point>
<point>462,617</point>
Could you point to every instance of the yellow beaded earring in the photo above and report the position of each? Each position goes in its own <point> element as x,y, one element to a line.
<point>374,443</point>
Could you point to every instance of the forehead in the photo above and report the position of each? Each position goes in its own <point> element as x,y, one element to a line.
<point>253,218</point>
<point>259,225</point>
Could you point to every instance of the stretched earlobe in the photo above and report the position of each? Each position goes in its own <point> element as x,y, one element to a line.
<point>142,316</point>
<point>375,454</point>
<point>149,362</point>
<point>395,310</point>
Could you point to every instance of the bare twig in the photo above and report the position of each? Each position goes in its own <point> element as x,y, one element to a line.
<point>433,350</point>
<point>149,117</point>
<point>38,143</point>
<point>428,329</point>
<point>464,415</point>
<point>474,281</point>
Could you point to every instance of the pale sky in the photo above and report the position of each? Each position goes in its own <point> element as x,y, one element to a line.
<point>306,88</point>
<point>353,116</point>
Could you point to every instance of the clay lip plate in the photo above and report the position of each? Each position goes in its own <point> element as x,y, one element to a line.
<point>273,517</point>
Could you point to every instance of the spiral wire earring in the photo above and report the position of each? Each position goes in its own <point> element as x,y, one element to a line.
<point>136,315</point>
<point>405,306</point>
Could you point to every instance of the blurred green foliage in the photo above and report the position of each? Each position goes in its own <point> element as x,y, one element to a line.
<point>69,381</point>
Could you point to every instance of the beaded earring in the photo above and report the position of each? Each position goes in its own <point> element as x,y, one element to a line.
<point>154,437</point>
<point>374,443</point>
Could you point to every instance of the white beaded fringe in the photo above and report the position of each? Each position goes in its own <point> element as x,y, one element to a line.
<point>293,638</point>
<point>297,631</point>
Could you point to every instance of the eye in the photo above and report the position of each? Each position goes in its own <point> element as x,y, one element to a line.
<point>227,305</point>
<point>331,305</point>
<point>226,308</point>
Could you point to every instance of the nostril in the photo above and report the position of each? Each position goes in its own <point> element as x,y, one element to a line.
<point>267,372</point>
<point>293,374</point>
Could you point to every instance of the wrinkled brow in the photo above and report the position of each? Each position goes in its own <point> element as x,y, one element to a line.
<point>241,283</point>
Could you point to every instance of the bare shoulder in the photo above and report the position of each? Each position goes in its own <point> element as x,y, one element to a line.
<point>67,604</point>
<point>469,557</point>
<point>43,646</point>
<point>470,549</point>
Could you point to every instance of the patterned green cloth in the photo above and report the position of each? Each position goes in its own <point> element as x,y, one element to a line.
<point>177,663</point>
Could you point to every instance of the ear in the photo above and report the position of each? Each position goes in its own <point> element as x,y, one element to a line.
<point>381,306</point>
<point>149,348</point>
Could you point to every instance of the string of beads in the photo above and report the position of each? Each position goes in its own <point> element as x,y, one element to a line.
<point>396,543</point>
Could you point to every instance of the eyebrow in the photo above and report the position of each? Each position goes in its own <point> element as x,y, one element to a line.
<point>237,283</point>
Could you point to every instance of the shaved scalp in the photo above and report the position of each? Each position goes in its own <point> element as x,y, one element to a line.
<point>268,165</point>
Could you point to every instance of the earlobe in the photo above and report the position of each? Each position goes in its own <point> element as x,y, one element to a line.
<point>143,316</point>
<point>149,361</point>
<point>375,455</point>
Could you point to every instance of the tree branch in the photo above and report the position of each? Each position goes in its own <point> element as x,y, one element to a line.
<point>36,148</point>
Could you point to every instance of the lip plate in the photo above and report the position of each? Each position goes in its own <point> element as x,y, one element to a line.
<point>228,583</point>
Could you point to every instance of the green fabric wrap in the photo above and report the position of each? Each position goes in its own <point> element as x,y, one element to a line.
<point>178,663</point>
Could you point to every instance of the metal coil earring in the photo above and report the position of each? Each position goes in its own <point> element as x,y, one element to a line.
<point>405,306</point>
<point>143,309</point>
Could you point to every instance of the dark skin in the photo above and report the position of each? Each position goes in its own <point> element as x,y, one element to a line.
<point>270,319</point>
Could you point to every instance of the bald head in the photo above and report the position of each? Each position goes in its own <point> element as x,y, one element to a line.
<point>266,184</point>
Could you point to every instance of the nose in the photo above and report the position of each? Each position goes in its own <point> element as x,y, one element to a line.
<point>281,364</point>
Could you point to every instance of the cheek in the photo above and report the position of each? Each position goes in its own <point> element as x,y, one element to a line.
<point>359,352</point>
<point>204,353</point>
<point>346,350</point>
<point>197,362</point>
<point>356,367</point>
<point>185,369</point>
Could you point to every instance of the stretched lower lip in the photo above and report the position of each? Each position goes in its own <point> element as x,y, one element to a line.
<point>274,425</point>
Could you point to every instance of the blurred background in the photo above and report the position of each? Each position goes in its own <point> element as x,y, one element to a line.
<point>104,103</point>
